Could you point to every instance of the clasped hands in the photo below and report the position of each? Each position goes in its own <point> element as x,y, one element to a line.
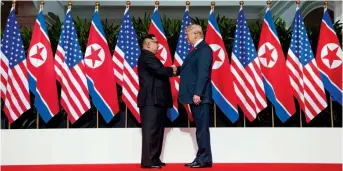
<point>174,69</point>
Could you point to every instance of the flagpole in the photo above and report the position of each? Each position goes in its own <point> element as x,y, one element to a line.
<point>128,3</point>
<point>41,4</point>
<point>272,116</point>
<point>97,119</point>
<point>214,104</point>
<point>69,8</point>
<point>268,6</point>
<point>13,6</point>
<point>331,112</point>
<point>67,121</point>
<point>301,121</point>
<point>157,3</point>
<point>37,121</point>
<point>241,3</point>
<point>188,3</point>
<point>37,118</point>
<point>126,117</point>
<point>244,122</point>
<point>97,5</point>
<point>215,115</point>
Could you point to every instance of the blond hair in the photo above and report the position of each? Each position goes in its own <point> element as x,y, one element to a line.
<point>196,29</point>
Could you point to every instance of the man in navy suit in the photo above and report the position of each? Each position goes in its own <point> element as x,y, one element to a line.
<point>196,90</point>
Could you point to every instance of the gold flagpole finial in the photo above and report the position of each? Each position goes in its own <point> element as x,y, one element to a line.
<point>241,3</point>
<point>326,4</point>
<point>187,4</point>
<point>42,4</point>
<point>268,4</point>
<point>69,4</point>
<point>128,3</point>
<point>298,3</point>
<point>212,5</point>
<point>157,3</point>
<point>97,5</point>
<point>13,3</point>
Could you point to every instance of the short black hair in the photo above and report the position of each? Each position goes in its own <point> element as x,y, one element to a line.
<point>149,36</point>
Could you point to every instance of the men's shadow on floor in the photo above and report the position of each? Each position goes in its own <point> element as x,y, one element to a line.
<point>166,132</point>
<point>187,131</point>
<point>191,132</point>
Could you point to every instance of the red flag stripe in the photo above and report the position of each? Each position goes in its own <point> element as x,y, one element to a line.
<point>312,73</point>
<point>14,89</point>
<point>73,88</point>
<point>246,82</point>
<point>74,94</point>
<point>118,64</point>
<point>295,73</point>
<point>3,74</point>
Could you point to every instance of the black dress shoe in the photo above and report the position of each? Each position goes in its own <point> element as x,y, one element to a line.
<point>152,167</point>
<point>201,165</point>
<point>191,164</point>
<point>161,163</point>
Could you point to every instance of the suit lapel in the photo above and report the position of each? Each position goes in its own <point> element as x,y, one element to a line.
<point>190,54</point>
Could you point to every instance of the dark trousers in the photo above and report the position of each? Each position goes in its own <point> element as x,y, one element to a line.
<point>152,120</point>
<point>201,115</point>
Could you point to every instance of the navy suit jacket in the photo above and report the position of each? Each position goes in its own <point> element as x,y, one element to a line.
<point>195,75</point>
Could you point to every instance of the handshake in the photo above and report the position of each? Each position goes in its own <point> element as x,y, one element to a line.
<point>174,69</point>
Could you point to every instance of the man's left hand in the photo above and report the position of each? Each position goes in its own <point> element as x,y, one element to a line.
<point>196,99</point>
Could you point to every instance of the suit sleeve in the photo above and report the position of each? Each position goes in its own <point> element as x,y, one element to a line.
<point>178,71</point>
<point>204,63</point>
<point>155,68</point>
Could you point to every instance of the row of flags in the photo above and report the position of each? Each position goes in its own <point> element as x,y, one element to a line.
<point>247,81</point>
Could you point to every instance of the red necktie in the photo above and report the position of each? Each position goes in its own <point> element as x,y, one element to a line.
<point>192,48</point>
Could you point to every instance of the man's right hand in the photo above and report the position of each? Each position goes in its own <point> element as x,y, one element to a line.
<point>174,69</point>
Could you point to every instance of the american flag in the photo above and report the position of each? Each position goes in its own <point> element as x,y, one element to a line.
<point>129,44</point>
<point>119,54</point>
<point>304,75</point>
<point>13,70</point>
<point>181,52</point>
<point>69,68</point>
<point>247,73</point>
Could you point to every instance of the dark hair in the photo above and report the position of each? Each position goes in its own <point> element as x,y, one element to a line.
<point>149,36</point>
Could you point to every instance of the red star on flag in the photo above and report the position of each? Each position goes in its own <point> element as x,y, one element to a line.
<point>332,55</point>
<point>38,54</point>
<point>268,54</point>
<point>94,56</point>
<point>159,54</point>
<point>216,55</point>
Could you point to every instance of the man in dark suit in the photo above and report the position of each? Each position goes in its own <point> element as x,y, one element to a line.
<point>154,98</point>
<point>195,89</point>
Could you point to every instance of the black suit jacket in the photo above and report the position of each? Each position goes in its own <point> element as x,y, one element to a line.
<point>153,81</point>
<point>195,75</point>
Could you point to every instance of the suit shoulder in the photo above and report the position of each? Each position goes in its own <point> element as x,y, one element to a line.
<point>206,48</point>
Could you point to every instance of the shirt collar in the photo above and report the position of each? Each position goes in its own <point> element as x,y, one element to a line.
<point>195,45</point>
